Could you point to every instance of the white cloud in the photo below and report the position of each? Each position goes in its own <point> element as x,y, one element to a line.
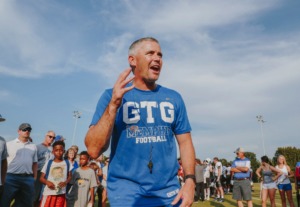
<point>218,54</point>
<point>5,95</point>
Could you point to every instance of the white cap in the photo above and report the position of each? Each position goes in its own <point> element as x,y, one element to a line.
<point>208,160</point>
<point>240,149</point>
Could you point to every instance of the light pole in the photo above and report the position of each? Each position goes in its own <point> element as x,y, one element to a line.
<point>261,120</point>
<point>76,115</point>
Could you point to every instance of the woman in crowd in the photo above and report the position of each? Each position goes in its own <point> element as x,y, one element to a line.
<point>71,156</point>
<point>284,183</point>
<point>268,174</point>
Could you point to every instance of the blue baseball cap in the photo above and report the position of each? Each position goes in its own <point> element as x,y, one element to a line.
<point>59,138</point>
<point>1,118</point>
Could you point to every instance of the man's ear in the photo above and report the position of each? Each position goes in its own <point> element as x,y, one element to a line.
<point>132,62</point>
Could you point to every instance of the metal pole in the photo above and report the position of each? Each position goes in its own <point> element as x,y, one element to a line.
<point>76,115</point>
<point>261,120</point>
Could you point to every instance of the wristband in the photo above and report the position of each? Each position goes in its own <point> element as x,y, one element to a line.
<point>190,176</point>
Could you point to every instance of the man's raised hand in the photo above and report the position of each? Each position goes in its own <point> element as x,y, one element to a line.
<point>120,88</point>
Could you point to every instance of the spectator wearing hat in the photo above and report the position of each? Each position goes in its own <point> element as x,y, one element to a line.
<point>44,153</point>
<point>207,181</point>
<point>241,174</point>
<point>59,138</point>
<point>3,160</point>
<point>21,171</point>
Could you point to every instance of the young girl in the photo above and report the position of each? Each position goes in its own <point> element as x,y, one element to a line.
<point>284,183</point>
<point>265,173</point>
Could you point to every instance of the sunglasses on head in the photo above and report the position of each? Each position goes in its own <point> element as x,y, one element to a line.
<point>27,129</point>
<point>51,137</point>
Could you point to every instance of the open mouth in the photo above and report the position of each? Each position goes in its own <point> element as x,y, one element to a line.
<point>155,67</point>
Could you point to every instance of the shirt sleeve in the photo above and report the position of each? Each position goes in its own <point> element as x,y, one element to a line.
<point>93,180</point>
<point>44,167</point>
<point>101,106</point>
<point>181,124</point>
<point>248,164</point>
<point>233,164</point>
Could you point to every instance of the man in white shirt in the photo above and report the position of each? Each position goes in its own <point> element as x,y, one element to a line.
<point>21,171</point>
<point>218,174</point>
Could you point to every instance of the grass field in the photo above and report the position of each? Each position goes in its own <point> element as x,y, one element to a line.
<point>228,201</point>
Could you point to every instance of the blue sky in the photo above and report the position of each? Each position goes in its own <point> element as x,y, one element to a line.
<point>231,61</point>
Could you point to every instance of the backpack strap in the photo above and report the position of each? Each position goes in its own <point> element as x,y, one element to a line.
<point>46,176</point>
<point>48,168</point>
<point>68,166</point>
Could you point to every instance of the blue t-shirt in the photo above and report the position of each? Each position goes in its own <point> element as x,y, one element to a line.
<point>241,163</point>
<point>144,127</point>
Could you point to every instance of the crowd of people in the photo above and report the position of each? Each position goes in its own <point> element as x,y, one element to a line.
<point>214,180</point>
<point>48,175</point>
<point>64,178</point>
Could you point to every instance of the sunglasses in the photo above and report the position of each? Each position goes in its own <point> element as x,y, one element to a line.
<point>51,137</point>
<point>27,129</point>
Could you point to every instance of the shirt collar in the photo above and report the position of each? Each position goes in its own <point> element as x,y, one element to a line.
<point>17,140</point>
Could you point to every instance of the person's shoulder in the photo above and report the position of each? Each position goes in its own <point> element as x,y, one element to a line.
<point>170,94</point>
<point>40,146</point>
<point>246,159</point>
<point>166,89</point>
<point>11,143</point>
<point>13,140</point>
<point>108,90</point>
<point>32,146</point>
<point>202,166</point>
<point>91,171</point>
<point>2,142</point>
<point>236,159</point>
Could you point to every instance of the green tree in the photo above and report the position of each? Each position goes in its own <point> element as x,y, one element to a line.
<point>291,154</point>
<point>224,162</point>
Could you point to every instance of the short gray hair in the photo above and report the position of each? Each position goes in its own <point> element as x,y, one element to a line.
<point>134,45</point>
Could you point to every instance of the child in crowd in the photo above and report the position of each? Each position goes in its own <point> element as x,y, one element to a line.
<point>97,190</point>
<point>56,174</point>
<point>83,183</point>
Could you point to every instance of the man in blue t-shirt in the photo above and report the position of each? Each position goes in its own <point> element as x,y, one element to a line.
<point>241,178</point>
<point>140,119</point>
